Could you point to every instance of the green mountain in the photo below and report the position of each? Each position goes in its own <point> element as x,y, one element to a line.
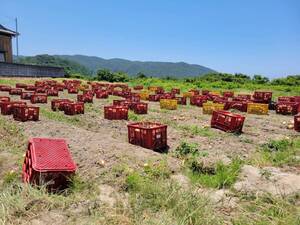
<point>157,69</point>
<point>70,67</point>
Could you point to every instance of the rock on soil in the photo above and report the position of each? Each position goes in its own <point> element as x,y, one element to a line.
<point>268,179</point>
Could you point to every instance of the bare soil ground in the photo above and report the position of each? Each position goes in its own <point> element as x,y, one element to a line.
<point>99,146</point>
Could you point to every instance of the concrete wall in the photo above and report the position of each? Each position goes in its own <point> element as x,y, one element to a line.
<point>22,70</point>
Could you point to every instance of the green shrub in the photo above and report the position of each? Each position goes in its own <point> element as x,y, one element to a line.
<point>186,148</point>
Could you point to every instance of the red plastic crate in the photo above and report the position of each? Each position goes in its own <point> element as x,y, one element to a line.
<point>181,100</point>
<point>5,88</point>
<point>73,108</point>
<point>262,97</point>
<point>148,135</point>
<point>59,104</point>
<point>175,91</point>
<point>238,105</point>
<point>101,94</point>
<point>40,90</point>
<point>297,98</point>
<point>205,92</point>
<point>20,85</point>
<point>134,98</point>
<point>140,108</point>
<point>154,98</point>
<point>286,99</point>
<point>116,112</point>
<point>15,91</point>
<point>297,122</point>
<point>89,92</point>
<point>228,94</point>
<point>159,91</point>
<point>167,95</point>
<point>30,88</point>
<point>26,95</point>
<point>25,113</point>
<point>286,108</point>
<point>85,98</point>
<point>227,121</point>
<point>38,98</point>
<point>72,90</point>
<point>198,100</point>
<point>48,162</point>
<point>138,87</point>
<point>52,92</point>
<point>7,108</point>
<point>4,99</point>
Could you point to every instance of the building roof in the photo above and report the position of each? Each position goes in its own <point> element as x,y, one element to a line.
<point>4,30</point>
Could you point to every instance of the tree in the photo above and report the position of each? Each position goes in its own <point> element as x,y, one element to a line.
<point>258,79</point>
<point>106,75</point>
<point>140,75</point>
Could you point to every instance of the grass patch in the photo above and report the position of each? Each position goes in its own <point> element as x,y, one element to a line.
<point>133,117</point>
<point>196,130</point>
<point>215,176</point>
<point>185,149</point>
<point>158,200</point>
<point>279,153</point>
<point>267,209</point>
<point>59,116</point>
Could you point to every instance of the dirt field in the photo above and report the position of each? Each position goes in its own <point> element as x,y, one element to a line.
<point>100,147</point>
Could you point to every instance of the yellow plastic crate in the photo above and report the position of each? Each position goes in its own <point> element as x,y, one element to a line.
<point>209,107</point>
<point>187,94</point>
<point>215,92</point>
<point>168,104</point>
<point>152,88</point>
<point>82,88</point>
<point>258,108</point>
<point>144,95</point>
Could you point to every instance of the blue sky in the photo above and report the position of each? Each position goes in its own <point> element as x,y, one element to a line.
<point>253,37</point>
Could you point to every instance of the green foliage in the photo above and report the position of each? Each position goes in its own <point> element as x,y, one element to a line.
<point>186,148</point>
<point>279,153</point>
<point>267,209</point>
<point>220,176</point>
<point>106,75</point>
<point>70,67</point>
<point>163,200</point>
<point>196,130</point>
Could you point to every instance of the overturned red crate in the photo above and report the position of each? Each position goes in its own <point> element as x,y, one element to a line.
<point>7,108</point>
<point>26,95</point>
<point>181,100</point>
<point>48,162</point>
<point>4,99</point>
<point>5,88</point>
<point>148,135</point>
<point>101,94</point>
<point>227,121</point>
<point>286,108</point>
<point>262,97</point>
<point>52,92</point>
<point>73,108</point>
<point>85,98</point>
<point>24,113</point>
<point>297,122</point>
<point>59,104</point>
<point>198,100</point>
<point>38,98</point>
<point>115,112</point>
<point>140,107</point>
<point>15,91</point>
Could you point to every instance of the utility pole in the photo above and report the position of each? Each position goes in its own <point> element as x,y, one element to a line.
<point>17,37</point>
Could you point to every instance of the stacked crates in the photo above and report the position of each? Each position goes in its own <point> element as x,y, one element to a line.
<point>198,100</point>
<point>264,97</point>
<point>209,107</point>
<point>170,104</point>
<point>48,162</point>
<point>7,108</point>
<point>258,108</point>
<point>148,135</point>
<point>59,104</point>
